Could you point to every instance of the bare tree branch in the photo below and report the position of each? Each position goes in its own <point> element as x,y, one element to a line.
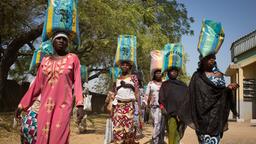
<point>24,54</point>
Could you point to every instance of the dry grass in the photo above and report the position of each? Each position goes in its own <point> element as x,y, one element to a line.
<point>7,133</point>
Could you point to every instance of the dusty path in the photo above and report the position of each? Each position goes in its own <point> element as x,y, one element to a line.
<point>238,133</point>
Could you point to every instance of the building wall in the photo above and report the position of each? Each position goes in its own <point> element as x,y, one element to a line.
<point>246,110</point>
<point>246,72</point>
<point>250,71</point>
<point>243,52</point>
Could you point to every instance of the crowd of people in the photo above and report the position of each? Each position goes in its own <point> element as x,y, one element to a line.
<point>203,105</point>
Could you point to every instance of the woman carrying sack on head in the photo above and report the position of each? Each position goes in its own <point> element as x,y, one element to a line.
<point>55,78</point>
<point>127,93</point>
<point>152,96</point>
<point>171,96</point>
<point>209,101</point>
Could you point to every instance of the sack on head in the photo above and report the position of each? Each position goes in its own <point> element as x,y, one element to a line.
<point>211,38</point>
<point>61,15</point>
<point>156,61</point>
<point>172,56</point>
<point>126,50</point>
<point>114,73</point>
<point>44,49</point>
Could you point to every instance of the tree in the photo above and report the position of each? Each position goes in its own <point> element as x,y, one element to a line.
<point>20,25</point>
<point>154,22</point>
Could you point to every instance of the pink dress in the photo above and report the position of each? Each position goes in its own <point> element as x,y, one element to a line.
<point>54,82</point>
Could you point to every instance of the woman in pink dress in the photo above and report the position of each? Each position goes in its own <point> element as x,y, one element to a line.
<point>55,78</point>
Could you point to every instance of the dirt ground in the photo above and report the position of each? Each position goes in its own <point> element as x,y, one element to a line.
<point>238,133</point>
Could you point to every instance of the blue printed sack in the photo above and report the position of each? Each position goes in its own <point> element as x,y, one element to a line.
<point>172,56</point>
<point>114,73</point>
<point>211,38</point>
<point>61,15</point>
<point>44,49</point>
<point>126,50</point>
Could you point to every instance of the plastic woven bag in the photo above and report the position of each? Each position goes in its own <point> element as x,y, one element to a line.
<point>156,61</point>
<point>36,59</point>
<point>44,49</point>
<point>172,56</point>
<point>47,47</point>
<point>114,73</point>
<point>61,15</point>
<point>211,38</point>
<point>126,50</point>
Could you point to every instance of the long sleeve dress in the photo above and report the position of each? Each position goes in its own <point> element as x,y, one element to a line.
<point>54,82</point>
<point>152,91</point>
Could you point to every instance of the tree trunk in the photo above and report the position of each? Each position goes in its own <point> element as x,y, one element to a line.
<point>10,54</point>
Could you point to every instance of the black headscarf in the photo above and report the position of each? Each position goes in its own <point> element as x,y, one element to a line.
<point>207,106</point>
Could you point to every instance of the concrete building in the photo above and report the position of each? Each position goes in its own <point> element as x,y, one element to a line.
<point>242,70</point>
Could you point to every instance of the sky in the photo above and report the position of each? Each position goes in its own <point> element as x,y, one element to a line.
<point>238,18</point>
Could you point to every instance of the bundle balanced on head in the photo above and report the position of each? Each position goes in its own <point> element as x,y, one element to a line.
<point>152,95</point>
<point>57,75</point>
<point>172,93</point>
<point>126,92</point>
<point>209,100</point>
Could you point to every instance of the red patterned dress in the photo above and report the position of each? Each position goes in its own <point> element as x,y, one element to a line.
<point>123,115</point>
<point>54,81</point>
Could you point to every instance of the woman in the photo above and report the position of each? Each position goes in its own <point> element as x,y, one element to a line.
<point>210,101</point>
<point>152,96</point>
<point>55,78</point>
<point>127,93</point>
<point>171,96</point>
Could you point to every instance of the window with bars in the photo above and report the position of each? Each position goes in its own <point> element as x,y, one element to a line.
<point>249,88</point>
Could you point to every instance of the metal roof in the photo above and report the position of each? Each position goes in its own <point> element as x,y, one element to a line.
<point>243,44</point>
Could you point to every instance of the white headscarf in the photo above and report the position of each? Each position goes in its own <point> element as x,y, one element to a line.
<point>61,34</point>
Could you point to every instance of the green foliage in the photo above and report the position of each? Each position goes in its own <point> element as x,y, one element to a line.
<point>154,22</point>
<point>18,16</point>
<point>20,68</point>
